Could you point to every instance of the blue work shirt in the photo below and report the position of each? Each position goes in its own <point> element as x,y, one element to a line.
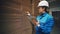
<point>46,23</point>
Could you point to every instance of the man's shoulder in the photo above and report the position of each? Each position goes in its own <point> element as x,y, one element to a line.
<point>49,16</point>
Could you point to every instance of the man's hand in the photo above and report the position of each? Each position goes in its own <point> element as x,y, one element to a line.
<point>28,13</point>
<point>35,22</point>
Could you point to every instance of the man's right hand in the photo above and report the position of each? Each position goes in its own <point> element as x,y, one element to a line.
<point>34,21</point>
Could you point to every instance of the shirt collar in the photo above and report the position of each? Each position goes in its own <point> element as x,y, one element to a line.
<point>43,14</point>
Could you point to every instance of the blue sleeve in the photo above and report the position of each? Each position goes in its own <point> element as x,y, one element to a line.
<point>48,25</point>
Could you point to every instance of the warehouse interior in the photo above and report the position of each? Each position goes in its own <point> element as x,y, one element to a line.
<point>14,21</point>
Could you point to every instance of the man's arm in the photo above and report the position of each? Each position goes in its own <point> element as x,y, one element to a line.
<point>32,19</point>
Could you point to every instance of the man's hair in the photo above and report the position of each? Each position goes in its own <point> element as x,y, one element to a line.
<point>45,8</point>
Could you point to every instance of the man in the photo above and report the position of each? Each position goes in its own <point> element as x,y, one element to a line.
<point>44,22</point>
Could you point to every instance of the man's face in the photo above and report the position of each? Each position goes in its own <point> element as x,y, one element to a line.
<point>41,9</point>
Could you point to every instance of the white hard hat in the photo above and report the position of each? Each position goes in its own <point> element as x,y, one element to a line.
<point>43,3</point>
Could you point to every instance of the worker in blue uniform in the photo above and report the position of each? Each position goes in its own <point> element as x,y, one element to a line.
<point>45,24</point>
<point>44,21</point>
